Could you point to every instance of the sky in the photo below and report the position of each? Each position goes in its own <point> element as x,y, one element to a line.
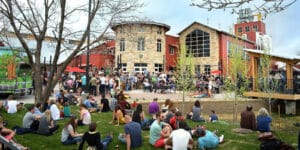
<point>283,27</point>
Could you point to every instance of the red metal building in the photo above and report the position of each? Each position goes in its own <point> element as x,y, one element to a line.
<point>248,29</point>
<point>101,56</point>
<point>172,47</point>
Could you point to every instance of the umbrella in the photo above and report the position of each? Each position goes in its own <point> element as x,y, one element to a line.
<point>74,69</point>
<point>216,72</point>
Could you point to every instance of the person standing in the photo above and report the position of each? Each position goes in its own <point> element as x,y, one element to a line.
<point>248,119</point>
<point>133,134</point>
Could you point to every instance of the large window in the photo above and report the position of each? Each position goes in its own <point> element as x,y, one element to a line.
<point>158,68</point>
<point>207,69</point>
<point>198,43</point>
<point>171,50</point>
<point>141,44</point>
<point>158,45</point>
<point>140,67</point>
<point>122,44</point>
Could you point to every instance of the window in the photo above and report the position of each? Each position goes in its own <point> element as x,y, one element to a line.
<point>123,67</point>
<point>122,30</point>
<point>240,29</point>
<point>122,44</point>
<point>207,69</point>
<point>159,32</point>
<point>158,68</point>
<point>197,69</point>
<point>158,45</point>
<point>198,43</point>
<point>141,44</point>
<point>140,67</point>
<point>247,28</point>
<point>171,50</point>
<point>255,29</point>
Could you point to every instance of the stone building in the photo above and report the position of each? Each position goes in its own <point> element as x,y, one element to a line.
<point>210,47</point>
<point>140,46</point>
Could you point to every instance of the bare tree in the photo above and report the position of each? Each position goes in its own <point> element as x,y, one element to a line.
<point>265,7</point>
<point>57,18</point>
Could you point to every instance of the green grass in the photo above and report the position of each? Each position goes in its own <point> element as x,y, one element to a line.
<point>233,141</point>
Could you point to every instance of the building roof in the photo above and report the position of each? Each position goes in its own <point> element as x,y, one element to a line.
<point>217,30</point>
<point>276,54</point>
<point>115,25</point>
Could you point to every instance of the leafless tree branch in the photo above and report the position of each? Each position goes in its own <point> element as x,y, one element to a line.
<point>264,7</point>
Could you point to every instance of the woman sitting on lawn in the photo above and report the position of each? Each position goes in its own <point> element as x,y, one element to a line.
<point>263,120</point>
<point>8,135</point>
<point>139,115</point>
<point>69,134</point>
<point>85,116</point>
<point>46,125</point>
<point>118,115</point>
<point>93,138</point>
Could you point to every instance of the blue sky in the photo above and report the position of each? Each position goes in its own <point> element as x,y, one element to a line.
<point>283,27</point>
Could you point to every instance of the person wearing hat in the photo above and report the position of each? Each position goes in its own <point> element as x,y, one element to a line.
<point>248,119</point>
<point>207,139</point>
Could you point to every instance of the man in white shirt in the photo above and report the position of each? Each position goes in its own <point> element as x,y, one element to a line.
<point>11,106</point>
<point>55,113</point>
<point>180,139</point>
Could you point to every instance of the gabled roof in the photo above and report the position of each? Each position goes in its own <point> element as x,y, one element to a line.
<point>287,56</point>
<point>217,30</point>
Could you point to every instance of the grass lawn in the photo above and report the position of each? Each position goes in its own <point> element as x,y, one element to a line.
<point>282,128</point>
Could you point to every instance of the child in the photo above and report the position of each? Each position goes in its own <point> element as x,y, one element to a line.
<point>213,117</point>
<point>67,110</point>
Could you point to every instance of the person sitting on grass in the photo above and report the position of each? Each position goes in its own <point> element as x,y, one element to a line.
<point>38,108</point>
<point>175,120</point>
<point>118,115</point>
<point>69,134</point>
<point>195,115</point>
<point>11,106</point>
<point>93,138</point>
<point>248,119</point>
<point>180,139</point>
<point>47,125</point>
<point>30,121</point>
<point>67,110</point>
<point>263,123</point>
<point>207,139</point>
<point>8,135</point>
<point>139,115</point>
<point>85,116</point>
<point>213,117</point>
<point>55,112</point>
<point>104,104</point>
<point>133,134</point>
<point>159,131</point>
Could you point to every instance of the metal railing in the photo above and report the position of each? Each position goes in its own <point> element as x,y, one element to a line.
<point>275,85</point>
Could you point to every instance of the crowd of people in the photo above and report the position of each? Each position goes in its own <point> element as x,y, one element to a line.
<point>167,125</point>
